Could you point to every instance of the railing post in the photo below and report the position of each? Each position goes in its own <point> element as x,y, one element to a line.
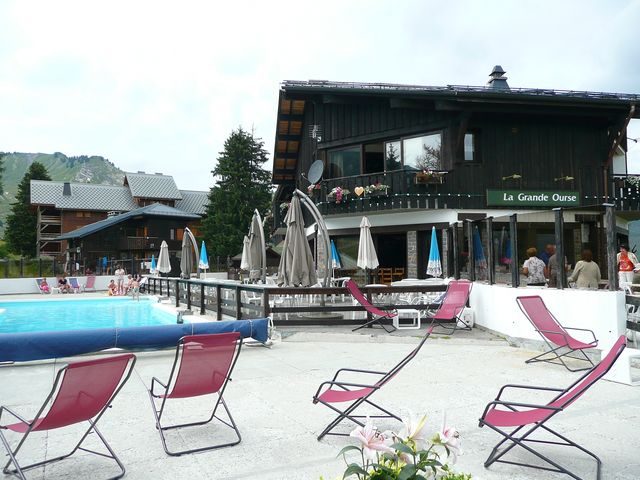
<point>177,293</point>
<point>610,227</point>
<point>160,280</point>
<point>21,266</point>
<point>238,302</point>
<point>513,239</point>
<point>188,295</point>
<point>202,309</point>
<point>456,253</point>
<point>39,266</point>
<point>265,303</point>
<point>219,302</point>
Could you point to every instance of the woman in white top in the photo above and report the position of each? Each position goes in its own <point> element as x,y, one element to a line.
<point>533,268</point>
<point>120,273</point>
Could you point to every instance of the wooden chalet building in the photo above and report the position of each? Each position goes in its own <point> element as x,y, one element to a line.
<point>82,222</point>
<point>413,157</point>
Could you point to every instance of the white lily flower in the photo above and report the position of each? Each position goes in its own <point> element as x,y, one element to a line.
<point>449,437</point>
<point>372,441</point>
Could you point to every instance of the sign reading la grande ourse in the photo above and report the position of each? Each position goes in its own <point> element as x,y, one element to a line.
<point>533,198</point>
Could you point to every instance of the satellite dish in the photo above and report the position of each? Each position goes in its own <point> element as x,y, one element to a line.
<point>315,171</point>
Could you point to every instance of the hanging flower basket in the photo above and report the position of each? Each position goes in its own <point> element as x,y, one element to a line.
<point>430,176</point>
<point>377,190</point>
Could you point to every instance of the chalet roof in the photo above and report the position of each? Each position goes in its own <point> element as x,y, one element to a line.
<point>154,210</point>
<point>193,201</point>
<point>461,91</point>
<point>84,196</point>
<point>149,185</point>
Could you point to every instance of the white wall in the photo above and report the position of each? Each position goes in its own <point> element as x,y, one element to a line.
<point>602,311</point>
<point>16,286</point>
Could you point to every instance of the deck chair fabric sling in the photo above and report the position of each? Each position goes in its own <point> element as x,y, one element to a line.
<point>202,366</point>
<point>525,420</point>
<point>560,342</point>
<point>82,391</point>
<point>451,308</point>
<point>75,285</point>
<point>358,394</point>
<point>91,284</point>
<point>376,313</point>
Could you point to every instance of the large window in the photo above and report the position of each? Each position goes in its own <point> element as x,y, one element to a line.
<point>423,153</point>
<point>470,147</point>
<point>344,163</point>
<point>393,155</point>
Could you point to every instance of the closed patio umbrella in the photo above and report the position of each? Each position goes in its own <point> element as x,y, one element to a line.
<point>164,265</point>
<point>257,252</point>
<point>203,263</point>
<point>245,262</point>
<point>434,267</point>
<point>296,263</point>
<point>478,255</point>
<point>154,266</point>
<point>186,260</point>
<point>335,256</point>
<point>367,257</point>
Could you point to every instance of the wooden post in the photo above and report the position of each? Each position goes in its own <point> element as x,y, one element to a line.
<point>456,253</point>
<point>515,266</point>
<point>218,302</point>
<point>188,295</point>
<point>612,264</point>
<point>238,303</point>
<point>160,280</point>
<point>559,230</point>
<point>490,260</point>
<point>265,303</point>
<point>202,309</point>
<point>472,255</point>
<point>177,292</point>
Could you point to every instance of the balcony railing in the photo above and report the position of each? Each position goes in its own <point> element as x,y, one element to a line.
<point>139,243</point>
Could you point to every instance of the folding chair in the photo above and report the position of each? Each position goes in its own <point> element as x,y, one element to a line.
<point>555,335</point>
<point>338,390</point>
<point>519,416</point>
<point>202,366</point>
<point>451,308</point>
<point>377,313</point>
<point>91,284</point>
<point>82,391</point>
<point>73,281</point>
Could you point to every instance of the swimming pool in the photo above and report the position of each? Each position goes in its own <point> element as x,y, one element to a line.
<point>78,314</point>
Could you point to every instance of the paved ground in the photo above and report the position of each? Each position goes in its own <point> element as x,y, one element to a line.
<point>270,397</point>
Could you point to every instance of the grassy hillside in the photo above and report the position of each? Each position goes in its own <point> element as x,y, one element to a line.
<point>84,169</point>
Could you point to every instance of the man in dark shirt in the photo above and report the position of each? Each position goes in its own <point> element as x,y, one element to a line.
<point>549,250</point>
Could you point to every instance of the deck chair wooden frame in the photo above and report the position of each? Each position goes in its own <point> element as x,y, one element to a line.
<point>560,342</point>
<point>449,312</point>
<point>339,390</point>
<point>378,314</point>
<point>527,419</point>
<point>203,365</point>
<point>82,391</point>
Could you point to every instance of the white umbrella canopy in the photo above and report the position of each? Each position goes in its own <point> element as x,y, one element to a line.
<point>256,247</point>
<point>245,262</point>
<point>367,257</point>
<point>296,267</point>
<point>164,266</point>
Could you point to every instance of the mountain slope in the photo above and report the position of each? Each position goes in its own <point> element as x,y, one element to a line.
<point>84,169</point>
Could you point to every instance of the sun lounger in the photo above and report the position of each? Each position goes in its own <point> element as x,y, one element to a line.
<point>560,342</point>
<point>75,285</point>
<point>90,285</point>
<point>525,420</point>
<point>82,391</point>
<point>358,392</point>
<point>448,316</point>
<point>376,313</point>
<point>202,366</point>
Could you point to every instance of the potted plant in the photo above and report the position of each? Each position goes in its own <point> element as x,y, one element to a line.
<point>338,195</point>
<point>376,189</point>
<point>313,188</point>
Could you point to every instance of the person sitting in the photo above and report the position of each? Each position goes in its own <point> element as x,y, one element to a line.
<point>63,284</point>
<point>44,286</point>
<point>112,289</point>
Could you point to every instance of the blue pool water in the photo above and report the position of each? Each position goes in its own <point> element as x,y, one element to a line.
<point>46,315</point>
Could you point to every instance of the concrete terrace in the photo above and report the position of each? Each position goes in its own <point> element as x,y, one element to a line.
<point>270,398</point>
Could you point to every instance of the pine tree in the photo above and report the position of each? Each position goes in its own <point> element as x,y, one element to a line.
<point>22,222</point>
<point>2,154</point>
<point>242,186</point>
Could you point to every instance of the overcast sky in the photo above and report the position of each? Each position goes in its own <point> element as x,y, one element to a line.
<point>158,86</point>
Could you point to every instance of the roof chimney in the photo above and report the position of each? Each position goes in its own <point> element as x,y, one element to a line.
<point>66,189</point>
<point>496,79</point>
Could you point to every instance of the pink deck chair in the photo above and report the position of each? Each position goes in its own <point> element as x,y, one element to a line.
<point>517,416</point>
<point>337,391</point>
<point>453,304</point>
<point>82,391</point>
<point>376,313</point>
<point>202,366</point>
<point>91,283</point>
<point>555,335</point>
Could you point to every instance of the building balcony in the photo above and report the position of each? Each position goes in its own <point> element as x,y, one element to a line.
<point>139,243</point>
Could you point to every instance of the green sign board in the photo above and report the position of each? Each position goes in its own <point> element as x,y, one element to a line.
<point>532,198</point>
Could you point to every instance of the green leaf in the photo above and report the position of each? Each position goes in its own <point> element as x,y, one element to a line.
<point>407,472</point>
<point>401,447</point>
<point>348,448</point>
<point>353,469</point>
